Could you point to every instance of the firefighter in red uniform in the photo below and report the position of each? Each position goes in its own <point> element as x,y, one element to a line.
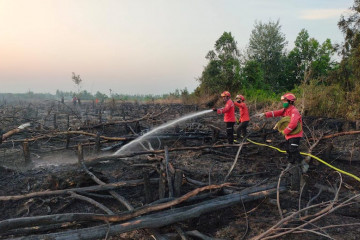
<point>292,140</point>
<point>229,115</point>
<point>241,131</point>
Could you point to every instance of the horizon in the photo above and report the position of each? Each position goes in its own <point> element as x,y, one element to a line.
<point>138,47</point>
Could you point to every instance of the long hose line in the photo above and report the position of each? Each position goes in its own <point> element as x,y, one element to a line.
<point>308,154</point>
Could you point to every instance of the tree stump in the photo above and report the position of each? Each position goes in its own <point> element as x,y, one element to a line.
<point>178,182</point>
<point>147,188</point>
<point>26,151</point>
<point>162,182</point>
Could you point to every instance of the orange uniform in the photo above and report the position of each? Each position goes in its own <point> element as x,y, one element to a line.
<point>228,111</point>
<point>244,112</point>
<point>295,117</point>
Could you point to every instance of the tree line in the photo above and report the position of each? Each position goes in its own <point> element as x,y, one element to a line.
<point>85,95</point>
<point>266,68</point>
<point>265,64</point>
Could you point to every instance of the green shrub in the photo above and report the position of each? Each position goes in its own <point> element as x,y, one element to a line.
<point>332,101</point>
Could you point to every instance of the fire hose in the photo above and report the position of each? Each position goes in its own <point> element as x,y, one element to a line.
<point>310,155</point>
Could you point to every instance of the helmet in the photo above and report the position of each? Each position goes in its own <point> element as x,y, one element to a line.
<point>241,97</point>
<point>225,94</point>
<point>288,96</point>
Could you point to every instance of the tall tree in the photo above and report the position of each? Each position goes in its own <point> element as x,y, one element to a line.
<point>267,46</point>
<point>77,81</point>
<point>253,75</point>
<point>350,28</point>
<point>348,74</point>
<point>308,59</point>
<point>222,70</point>
<point>323,63</point>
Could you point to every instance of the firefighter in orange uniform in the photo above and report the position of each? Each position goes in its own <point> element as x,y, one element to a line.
<point>241,131</point>
<point>229,115</point>
<point>292,137</point>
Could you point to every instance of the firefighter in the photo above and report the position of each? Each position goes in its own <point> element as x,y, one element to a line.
<point>292,129</point>
<point>241,131</point>
<point>229,115</point>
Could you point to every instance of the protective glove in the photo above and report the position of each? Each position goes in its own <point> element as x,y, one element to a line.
<point>214,109</point>
<point>23,126</point>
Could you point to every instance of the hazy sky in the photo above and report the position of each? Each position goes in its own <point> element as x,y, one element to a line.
<point>138,46</point>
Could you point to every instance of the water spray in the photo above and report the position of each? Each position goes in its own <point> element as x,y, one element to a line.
<point>163,126</point>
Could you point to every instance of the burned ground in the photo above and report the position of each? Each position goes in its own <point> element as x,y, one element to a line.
<point>196,151</point>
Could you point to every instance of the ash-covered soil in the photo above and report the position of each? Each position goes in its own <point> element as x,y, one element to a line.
<point>54,167</point>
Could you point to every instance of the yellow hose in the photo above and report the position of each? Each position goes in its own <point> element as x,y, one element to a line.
<point>308,154</point>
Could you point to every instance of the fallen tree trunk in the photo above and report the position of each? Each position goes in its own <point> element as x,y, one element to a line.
<point>337,134</point>
<point>54,134</point>
<point>108,186</point>
<point>13,131</point>
<point>158,219</point>
<point>61,218</point>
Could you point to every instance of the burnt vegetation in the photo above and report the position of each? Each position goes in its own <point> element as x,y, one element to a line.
<point>60,178</point>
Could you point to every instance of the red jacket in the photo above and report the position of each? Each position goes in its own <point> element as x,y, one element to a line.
<point>228,111</point>
<point>295,117</point>
<point>244,112</point>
